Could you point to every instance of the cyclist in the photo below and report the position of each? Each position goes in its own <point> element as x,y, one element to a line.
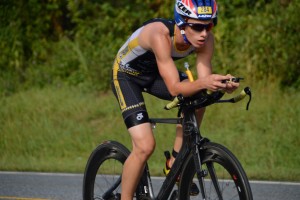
<point>145,63</point>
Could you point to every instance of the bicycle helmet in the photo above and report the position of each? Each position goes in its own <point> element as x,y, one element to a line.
<point>197,9</point>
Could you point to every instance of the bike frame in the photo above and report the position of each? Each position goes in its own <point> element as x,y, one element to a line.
<point>190,153</point>
<point>191,146</point>
<point>192,140</point>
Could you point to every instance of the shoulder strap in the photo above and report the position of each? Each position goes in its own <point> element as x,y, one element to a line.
<point>169,23</point>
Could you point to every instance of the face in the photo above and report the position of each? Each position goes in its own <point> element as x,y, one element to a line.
<point>197,31</point>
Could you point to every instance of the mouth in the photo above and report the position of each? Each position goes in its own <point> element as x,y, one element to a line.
<point>201,42</point>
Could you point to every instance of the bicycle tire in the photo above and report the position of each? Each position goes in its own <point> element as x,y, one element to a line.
<point>230,175</point>
<point>103,170</point>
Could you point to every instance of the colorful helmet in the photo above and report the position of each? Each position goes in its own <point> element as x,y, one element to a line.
<point>196,9</point>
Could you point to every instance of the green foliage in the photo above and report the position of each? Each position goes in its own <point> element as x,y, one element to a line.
<point>261,43</point>
<point>56,129</point>
<point>74,42</point>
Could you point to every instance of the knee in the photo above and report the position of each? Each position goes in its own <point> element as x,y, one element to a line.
<point>145,150</point>
<point>143,141</point>
<point>148,149</point>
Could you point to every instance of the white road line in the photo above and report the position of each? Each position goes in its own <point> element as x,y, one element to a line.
<point>20,198</point>
<point>157,178</point>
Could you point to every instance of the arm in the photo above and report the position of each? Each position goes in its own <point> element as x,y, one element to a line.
<point>204,69</point>
<point>156,38</point>
<point>161,46</point>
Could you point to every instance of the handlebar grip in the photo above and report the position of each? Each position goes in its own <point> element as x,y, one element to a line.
<point>209,91</point>
<point>246,91</point>
<point>241,96</point>
<point>172,104</point>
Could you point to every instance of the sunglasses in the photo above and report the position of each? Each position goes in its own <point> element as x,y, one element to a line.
<point>200,27</point>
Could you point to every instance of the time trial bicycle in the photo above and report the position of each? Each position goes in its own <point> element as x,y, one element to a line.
<point>215,170</point>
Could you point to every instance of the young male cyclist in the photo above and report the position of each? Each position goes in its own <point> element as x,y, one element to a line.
<point>145,63</point>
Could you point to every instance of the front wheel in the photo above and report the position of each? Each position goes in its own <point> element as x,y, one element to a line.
<point>224,177</point>
<point>102,177</point>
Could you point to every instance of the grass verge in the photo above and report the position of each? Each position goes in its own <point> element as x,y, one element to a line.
<point>55,129</point>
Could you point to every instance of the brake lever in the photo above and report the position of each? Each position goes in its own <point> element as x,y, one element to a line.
<point>248,92</point>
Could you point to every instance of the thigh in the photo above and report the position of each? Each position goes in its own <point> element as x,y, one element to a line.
<point>130,98</point>
<point>159,89</point>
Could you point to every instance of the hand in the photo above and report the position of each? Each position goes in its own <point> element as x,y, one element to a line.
<point>214,83</point>
<point>231,86</point>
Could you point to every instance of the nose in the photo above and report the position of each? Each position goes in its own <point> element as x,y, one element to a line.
<point>204,33</point>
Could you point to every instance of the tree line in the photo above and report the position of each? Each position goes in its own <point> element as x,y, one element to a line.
<point>56,42</point>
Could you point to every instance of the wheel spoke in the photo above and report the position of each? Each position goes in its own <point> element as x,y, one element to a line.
<point>225,180</point>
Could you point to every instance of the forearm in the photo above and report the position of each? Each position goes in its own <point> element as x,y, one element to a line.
<point>187,88</point>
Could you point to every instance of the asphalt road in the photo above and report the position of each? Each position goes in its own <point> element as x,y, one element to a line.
<point>57,186</point>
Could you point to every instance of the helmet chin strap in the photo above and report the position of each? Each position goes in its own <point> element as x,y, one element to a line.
<point>184,36</point>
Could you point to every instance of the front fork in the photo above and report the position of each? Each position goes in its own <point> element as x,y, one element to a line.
<point>199,171</point>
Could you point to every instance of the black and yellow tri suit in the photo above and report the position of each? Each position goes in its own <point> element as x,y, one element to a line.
<point>135,71</point>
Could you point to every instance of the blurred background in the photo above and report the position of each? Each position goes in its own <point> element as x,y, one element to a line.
<point>55,99</point>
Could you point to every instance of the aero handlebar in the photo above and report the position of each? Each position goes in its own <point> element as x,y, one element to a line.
<point>246,91</point>
<point>208,95</point>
